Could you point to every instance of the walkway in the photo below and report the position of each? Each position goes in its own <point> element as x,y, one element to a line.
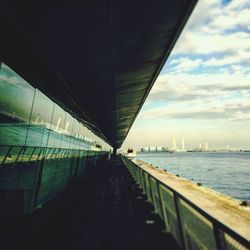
<point>107,211</point>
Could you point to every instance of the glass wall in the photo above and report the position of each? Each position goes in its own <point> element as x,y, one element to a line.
<point>40,120</point>
<point>56,127</point>
<point>16,97</point>
<point>30,118</point>
<point>67,131</point>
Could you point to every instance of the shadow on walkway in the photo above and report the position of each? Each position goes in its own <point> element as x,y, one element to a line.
<point>106,211</point>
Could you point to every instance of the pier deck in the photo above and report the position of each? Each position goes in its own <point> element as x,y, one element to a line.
<point>107,210</point>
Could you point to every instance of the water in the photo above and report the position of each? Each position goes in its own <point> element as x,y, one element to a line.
<point>15,134</point>
<point>225,172</point>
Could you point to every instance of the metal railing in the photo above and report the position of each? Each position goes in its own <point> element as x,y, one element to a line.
<point>31,176</point>
<point>10,154</point>
<point>191,226</point>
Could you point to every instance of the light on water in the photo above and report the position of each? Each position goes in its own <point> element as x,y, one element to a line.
<point>225,172</point>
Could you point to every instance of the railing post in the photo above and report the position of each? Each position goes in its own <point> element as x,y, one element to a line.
<point>53,151</point>
<point>160,201</point>
<point>179,222</point>
<point>37,182</point>
<point>33,151</point>
<point>40,153</point>
<point>151,191</point>
<point>19,153</point>
<point>220,230</point>
<point>7,154</point>
<point>114,153</point>
<point>219,243</point>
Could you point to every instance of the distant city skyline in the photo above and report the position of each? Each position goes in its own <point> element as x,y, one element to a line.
<point>180,144</point>
<point>203,91</point>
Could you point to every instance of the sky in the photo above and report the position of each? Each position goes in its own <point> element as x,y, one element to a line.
<point>203,91</point>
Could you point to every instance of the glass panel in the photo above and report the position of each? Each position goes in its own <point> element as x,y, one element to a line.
<point>66,132</point>
<point>4,153</point>
<point>169,211</point>
<point>83,132</point>
<point>230,243</point>
<point>57,127</point>
<point>16,97</point>
<point>28,117</point>
<point>75,134</point>
<point>197,230</point>
<point>40,120</point>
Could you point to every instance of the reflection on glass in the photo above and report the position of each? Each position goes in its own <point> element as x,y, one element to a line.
<point>69,122</point>
<point>83,132</point>
<point>16,97</point>
<point>30,118</point>
<point>57,127</point>
<point>74,144</point>
<point>41,116</point>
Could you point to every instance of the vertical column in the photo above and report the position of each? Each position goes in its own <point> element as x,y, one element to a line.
<point>114,152</point>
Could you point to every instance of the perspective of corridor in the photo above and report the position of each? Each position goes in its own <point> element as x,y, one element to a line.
<point>74,75</point>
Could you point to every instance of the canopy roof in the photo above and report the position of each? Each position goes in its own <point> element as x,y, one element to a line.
<point>96,59</point>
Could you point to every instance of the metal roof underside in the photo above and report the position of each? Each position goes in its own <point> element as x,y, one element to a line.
<point>96,59</point>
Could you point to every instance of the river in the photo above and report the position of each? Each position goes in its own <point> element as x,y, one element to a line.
<point>225,172</point>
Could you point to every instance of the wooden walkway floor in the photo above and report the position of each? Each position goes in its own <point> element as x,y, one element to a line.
<point>107,211</point>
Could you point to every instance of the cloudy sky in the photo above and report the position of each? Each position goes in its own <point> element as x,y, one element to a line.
<point>203,92</point>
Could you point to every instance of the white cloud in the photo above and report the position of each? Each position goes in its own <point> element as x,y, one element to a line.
<point>186,64</point>
<point>8,76</point>
<point>227,111</point>
<point>205,87</point>
<point>238,4</point>
<point>200,96</point>
<point>204,43</point>
<point>187,81</point>
<point>232,19</point>
<point>206,31</point>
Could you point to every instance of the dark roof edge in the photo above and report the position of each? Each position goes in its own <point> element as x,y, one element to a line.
<point>168,51</point>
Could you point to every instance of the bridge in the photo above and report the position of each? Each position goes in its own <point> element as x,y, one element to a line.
<point>81,72</point>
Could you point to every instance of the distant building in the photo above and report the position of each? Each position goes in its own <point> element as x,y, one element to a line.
<point>160,148</point>
<point>174,144</point>
<point>183,144</point>
<point>154,149</point>
<point>175,148</point>
<point>206,146</point>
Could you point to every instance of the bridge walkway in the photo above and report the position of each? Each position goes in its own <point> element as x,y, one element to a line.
<point>106,211</point>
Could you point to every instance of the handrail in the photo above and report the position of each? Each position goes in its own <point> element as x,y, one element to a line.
<point>50,171</point>
<point>217,225</point>
<point>204,213</point>
<point>7,154</point>
<point>15,154</point>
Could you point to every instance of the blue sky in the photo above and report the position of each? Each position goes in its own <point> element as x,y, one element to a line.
<point>203,91</point>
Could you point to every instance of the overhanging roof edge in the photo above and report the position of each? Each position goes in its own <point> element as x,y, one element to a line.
<point>165,57</point>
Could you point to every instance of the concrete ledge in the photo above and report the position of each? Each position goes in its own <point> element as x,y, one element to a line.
<point>223,208</point>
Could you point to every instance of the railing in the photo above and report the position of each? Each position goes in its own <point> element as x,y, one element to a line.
<point>16,154</point>
<point>30,176</point>
<point>192,227</point>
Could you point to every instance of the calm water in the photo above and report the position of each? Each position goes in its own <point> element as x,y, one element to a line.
<point>15,134</point>
<point>228,172</point>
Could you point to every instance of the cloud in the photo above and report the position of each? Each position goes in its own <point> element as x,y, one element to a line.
<point>205,43</point>
<point>199,96</point>
<point>199,114</point>
<point>216,27</point>
<point>205,84</point>
<point>236,88</point>
<point>233,112</point>
<point>205,87</point>
<point>9,77</point>
<point>232,19</point>
<point>185,64</point>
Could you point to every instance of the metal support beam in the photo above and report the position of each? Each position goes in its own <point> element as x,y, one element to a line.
<point>114,152</point>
